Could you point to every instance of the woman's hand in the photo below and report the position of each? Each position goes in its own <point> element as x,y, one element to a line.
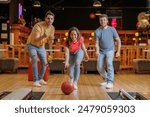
<point>66,65</point>
<point>86,58</point>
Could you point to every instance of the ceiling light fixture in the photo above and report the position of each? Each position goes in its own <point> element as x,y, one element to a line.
<point>37,4</point>
<point>97,3</point>
<point>98,13</point>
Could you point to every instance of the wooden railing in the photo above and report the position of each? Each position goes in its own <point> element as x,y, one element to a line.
<point>18,51</point>
<point>128,53</point>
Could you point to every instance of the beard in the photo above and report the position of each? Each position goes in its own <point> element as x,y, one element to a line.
<point>103,25</point>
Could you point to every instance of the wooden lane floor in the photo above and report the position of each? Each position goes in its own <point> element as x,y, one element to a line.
<point>88,85</point>
<point>87,89</point>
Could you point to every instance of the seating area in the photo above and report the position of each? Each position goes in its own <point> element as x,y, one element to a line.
<point>91,65</point>
<point>141,65</point>
<point>7,64</point>
<point>57,65</point>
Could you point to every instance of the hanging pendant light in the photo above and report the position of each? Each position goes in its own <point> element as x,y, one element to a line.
<point>37,4</point>
<point>97,3</point>
<point>98,13</point>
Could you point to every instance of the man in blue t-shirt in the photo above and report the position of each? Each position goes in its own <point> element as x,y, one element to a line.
<point>105,36</point>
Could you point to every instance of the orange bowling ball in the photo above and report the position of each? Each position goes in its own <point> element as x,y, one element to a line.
<point>67,87</point>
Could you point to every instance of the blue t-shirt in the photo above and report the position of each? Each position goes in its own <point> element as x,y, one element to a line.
<point>106,38</point>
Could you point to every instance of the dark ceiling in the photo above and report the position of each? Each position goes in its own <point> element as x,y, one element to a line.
<point>88,3</point>
<point>76,12</point>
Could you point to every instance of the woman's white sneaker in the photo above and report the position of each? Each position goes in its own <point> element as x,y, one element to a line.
<point>71,80</point>
<point>75,85</point>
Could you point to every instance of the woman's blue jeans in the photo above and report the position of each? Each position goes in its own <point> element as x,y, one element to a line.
<point>75,61</point>
<point>105,65</point>
<point>35,53</point>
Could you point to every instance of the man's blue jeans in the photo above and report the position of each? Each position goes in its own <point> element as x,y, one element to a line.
<point>34,54</point>
<point>75,61</point>
<point>105,65</point>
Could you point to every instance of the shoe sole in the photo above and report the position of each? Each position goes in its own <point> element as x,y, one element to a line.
<point>109,87</point>
<point>43,83</point>
<point>37,85</point>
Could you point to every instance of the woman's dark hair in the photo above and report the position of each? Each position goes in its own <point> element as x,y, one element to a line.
<point>49,13</point>
<point>69,38</point>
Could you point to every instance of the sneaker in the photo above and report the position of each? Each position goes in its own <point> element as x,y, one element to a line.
<point>37,84</point>
<point>75,86</point>
<point>42,82</point>
<point>71,80</point>
<point>103,83</point>
<point>109,86</point>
